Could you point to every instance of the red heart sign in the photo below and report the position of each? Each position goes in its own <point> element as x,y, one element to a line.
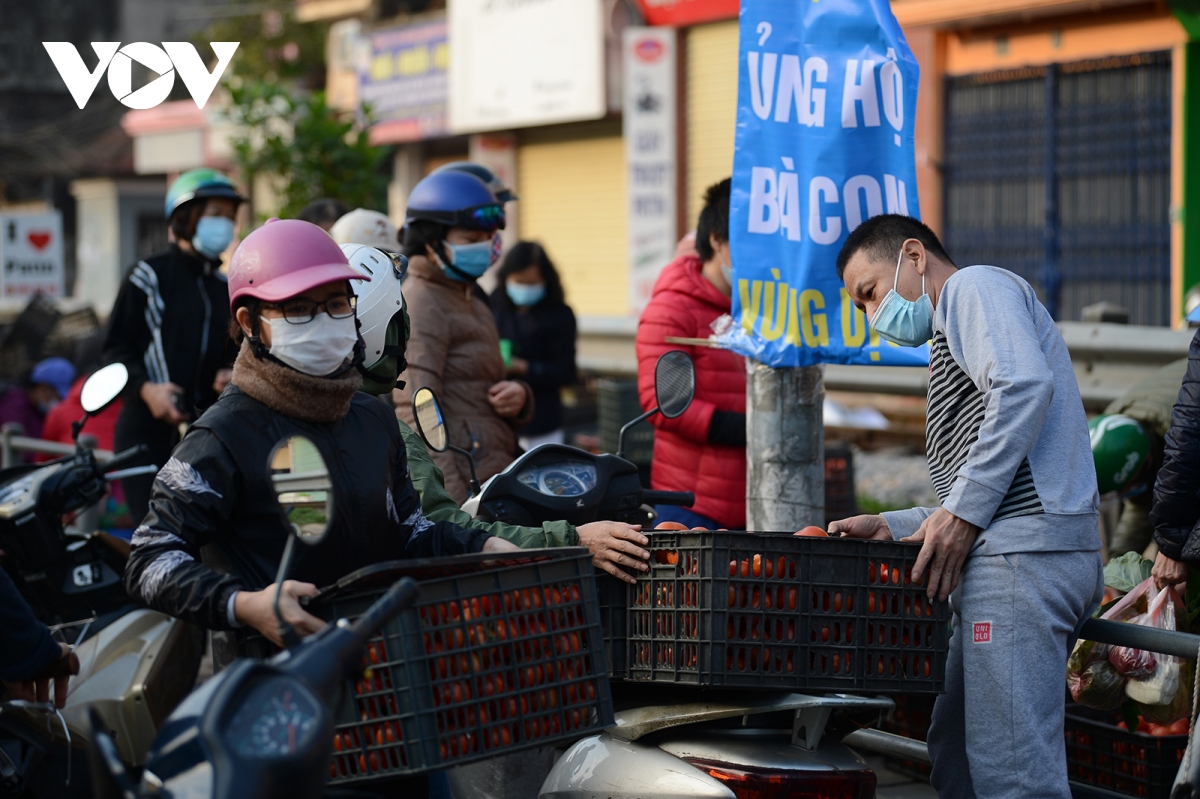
<point>39,238</point>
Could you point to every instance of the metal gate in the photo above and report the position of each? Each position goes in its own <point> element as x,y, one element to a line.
<point>1063,175</point>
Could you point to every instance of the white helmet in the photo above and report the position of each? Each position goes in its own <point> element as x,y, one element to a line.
<point>361,226</point>
<point>379,300</point>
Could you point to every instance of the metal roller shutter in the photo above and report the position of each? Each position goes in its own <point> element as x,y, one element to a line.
<point>571,181</point>
<point>712,81</point>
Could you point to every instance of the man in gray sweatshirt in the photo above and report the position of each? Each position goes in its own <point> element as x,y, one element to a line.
<point>1016,539</point>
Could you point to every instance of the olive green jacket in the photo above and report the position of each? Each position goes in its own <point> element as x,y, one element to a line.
<point>437,505</point>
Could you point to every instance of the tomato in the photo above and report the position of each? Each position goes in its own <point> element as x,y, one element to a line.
<point>1180,727</point>
<point>745,568</point>
<point>812,531</point>
<point>733,568</point>
<point>670,526</point>
<point>1159,730</point>
<point>672,557</point>
<point>756,569</point>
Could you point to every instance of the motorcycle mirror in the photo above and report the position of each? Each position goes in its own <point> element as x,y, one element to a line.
<point>432,427</point>
<point>674,383</point>
<point>430,422</point>
<point>305,495</point>
<point>103,387</point>
<point>674,390</point>
<point>302,487</point>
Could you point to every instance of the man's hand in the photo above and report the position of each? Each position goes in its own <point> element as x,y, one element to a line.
<point>495,544</point>
<point>256,609</point>
<point>873,528</point>
<point>615,544</point>
<point>222,379</point>
<point>947,541</point>
<point>1168,572</point>
<point>38,689</point>
<point>507,398</point>
<point>160,399</point>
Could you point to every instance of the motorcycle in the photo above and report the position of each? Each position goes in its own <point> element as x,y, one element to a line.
<point>669,741</point>
<point>135,664</point>
<point>261,728</point>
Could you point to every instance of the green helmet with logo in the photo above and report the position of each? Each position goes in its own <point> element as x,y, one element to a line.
<point>1120,448</point>
<point>197,183</point>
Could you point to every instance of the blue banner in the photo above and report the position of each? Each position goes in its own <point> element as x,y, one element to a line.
<point>827,100</point>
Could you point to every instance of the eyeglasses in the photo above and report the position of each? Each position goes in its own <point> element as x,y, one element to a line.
<point>301,312</point>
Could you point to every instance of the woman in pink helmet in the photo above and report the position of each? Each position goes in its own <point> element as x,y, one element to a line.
<point>212,541</point>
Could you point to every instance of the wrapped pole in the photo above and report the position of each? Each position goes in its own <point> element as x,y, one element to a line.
<point>785,447</point>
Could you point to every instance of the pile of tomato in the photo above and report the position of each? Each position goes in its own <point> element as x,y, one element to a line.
<point>504,668</point>
<point>1181,727</point>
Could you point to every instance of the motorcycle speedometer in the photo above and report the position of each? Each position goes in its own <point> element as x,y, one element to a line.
<point>276,719</point>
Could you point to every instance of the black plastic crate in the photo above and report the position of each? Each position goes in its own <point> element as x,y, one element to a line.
<point>612,619</point>
<point>1102,754</point>
<point>840,499</point>
<point>490,661</point>
<point>778,611</point>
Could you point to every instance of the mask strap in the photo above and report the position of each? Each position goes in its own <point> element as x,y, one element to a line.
<point>896,279</point>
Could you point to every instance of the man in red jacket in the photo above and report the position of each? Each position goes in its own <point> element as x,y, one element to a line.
<point>704,450</point>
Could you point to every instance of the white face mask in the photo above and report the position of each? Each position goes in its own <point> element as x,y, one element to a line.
<point>316,348</point>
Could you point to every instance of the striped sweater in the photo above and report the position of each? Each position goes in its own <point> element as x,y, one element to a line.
<point>1006,431</point>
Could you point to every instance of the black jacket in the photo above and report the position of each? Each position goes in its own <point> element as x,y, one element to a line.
<point>26,648</point>
<point>543,335</point>
<point>1177,490</point>
<point>214,526</point>
<point>170,323</point>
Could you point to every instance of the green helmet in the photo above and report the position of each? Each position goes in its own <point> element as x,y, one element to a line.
<point>1120,448</point>
<point>197,183</point>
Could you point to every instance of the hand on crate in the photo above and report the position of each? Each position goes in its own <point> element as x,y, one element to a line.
<point>257,609</point>
<point>495,544</point>
<point>615,544</point>
<point>946,542</point>
<point>1168,572</point>
<point>873,528</point>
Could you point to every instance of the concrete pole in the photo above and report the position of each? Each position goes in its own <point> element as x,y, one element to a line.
<point>785,448</point>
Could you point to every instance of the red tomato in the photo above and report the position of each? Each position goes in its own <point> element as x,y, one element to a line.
<point>812,531</point>
<point>1180,727</point>
<point>670,526</point>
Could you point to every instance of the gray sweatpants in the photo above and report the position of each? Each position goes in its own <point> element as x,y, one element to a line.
<point>998,729</point>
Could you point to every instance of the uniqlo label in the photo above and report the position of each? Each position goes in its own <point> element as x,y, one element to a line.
<point>983,632</point>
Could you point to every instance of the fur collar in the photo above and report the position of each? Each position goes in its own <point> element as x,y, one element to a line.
<point>293,393</point>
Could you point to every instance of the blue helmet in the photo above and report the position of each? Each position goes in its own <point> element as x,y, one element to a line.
<point>456,199</point>
<point>503,193</point>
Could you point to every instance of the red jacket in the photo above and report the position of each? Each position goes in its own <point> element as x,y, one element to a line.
<point>684,304</point>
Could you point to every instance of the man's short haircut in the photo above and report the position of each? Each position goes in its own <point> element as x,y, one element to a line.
<point>714,218</point>
<point>881,237</point>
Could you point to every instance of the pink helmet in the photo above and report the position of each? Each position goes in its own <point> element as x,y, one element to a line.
<point>283,258</point>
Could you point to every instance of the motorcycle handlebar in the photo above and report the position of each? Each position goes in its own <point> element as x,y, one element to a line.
<point>127,456</point>
<point>684,498</point>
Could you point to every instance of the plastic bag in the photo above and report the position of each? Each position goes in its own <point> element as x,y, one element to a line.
<point>1161,685</point>
<point>1091,677</point>
<point>1131,662</point>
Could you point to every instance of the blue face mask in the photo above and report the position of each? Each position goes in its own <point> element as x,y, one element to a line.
<point>908,323</point>
<point>213,234</point>
<point>524,295</point>
<point>470,259</point>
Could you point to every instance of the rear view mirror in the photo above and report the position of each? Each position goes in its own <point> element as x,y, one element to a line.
<point>103,387</point>
<point>302,487</point>
<point>674,383</point>
<point>674,389</point>
<point>430,422</point>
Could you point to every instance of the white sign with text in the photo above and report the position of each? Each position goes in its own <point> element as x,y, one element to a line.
<point>649,121</point>
<point>31,254</point>
<point>516,63</point>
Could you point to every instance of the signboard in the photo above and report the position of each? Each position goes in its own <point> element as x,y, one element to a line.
<point>687,12</point>
<point>404,78</point>
<point>649,132</point>
<point>827,100</point>
<point>533,62</point>
<point>31,254</point>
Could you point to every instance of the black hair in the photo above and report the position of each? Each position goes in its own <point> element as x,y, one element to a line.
<point>421,232</point>
<point>525,254</point>
<point>184,219</point>
<point>881,237</point>
<point>236,334</point>
<point>714,218</point>
<point>323,212</point>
